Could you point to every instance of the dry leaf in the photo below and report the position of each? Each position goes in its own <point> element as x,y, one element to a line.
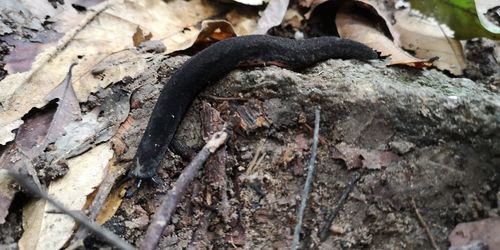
<point>139,37</point>
<point>112,204</point>
<point>293,18</point>
<point>30,34</point>
<point>6,194</point>
<point>68,109</point>
<point>96,126</point>
<point>362,158</point>
<point>244,21</point>
<point>272,16</point>
<point>36,134</point>
<point>112,197</point>
<point>429,39</point>
<point>45,230</point>
<point>103,30</point>
<point>212,31</point>
<point>353,23</point>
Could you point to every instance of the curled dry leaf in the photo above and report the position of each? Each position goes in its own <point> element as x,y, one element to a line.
<point>356,22</point>
<point>430,39</point>
<point>212,31</point>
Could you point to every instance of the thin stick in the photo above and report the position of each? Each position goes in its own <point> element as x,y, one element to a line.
<point>219,98</point>
<point>106,235</point>
<point>424,225</point>
<point>307,185</point>
<point>343,198</point>
<point>167,208</point>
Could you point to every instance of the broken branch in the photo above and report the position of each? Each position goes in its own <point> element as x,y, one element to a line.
<point>167,208</point>
<point>307,185</point>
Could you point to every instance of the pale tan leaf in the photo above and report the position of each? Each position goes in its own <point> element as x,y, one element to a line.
<point>353,25</point>
<point>293,18</point>
<point>429,39</point>
<point>244,21</point>
<point>45,230</point>
<point>6,195</point>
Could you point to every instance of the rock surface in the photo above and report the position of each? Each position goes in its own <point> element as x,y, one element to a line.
<point>434,139</point>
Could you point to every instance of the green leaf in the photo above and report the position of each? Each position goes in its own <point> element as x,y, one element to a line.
<point>461,16</point>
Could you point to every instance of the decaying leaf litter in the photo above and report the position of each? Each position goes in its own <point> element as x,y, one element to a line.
<point>262,189</point>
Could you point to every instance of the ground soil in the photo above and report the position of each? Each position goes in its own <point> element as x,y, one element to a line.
<point>453,177</point>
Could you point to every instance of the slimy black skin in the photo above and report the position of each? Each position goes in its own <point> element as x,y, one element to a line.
<point>211,64</point>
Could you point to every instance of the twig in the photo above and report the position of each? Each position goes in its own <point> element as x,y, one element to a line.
<point>348,189</point>
<point>307,185</point>
<point>219,98</point>
<point>424,225</point>
<point>311,130</point>
<point>106,235</point>
<point>257,158</point>
<point>164,213</point>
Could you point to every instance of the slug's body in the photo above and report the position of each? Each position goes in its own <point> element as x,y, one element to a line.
<point>211,64</point>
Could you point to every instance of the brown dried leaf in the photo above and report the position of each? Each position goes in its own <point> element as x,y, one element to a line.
<point>29,34</point>
<point>428,39</point>
<point>362,158</point>
<point>115,197</point>
<point>138,37</point>
<point>211,31</point>
<point>354,23</point>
